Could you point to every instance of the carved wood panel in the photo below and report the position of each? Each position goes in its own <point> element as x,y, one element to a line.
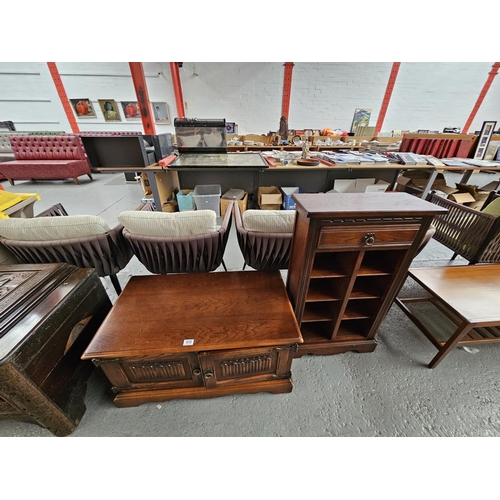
<point>230,367</point>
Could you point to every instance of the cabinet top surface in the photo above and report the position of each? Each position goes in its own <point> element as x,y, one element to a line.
<point>157,314</point>
<point>361,204</point>
<point>28,295</point>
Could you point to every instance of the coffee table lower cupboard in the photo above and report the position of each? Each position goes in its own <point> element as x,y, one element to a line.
<point>197,335</point>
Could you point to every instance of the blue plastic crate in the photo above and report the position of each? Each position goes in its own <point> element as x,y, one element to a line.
<point>185,200</point>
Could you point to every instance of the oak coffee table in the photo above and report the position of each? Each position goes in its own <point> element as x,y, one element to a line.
<point>197,335</point>
<point>468,295</point>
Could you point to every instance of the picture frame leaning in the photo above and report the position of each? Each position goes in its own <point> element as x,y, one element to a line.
<point>161,112</point>
<point>484,138</point>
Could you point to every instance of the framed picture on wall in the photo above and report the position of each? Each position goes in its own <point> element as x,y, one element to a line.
<point>483,139</point>
<point>110,110</point>
<point>161,113</point>
<point>83,108</point>
<point>361,118</point>
<point>131,110</point>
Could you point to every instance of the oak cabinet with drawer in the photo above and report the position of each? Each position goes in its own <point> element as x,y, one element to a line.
<point>350,256</point>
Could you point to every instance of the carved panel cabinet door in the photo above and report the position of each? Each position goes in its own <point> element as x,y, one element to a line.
<point>220,368</point>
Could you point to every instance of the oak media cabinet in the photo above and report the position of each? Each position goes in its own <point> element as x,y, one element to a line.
<point>197,335</point>
<point>350,256</point>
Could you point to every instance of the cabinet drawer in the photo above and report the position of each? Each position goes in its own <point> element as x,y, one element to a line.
<point>366,236</point>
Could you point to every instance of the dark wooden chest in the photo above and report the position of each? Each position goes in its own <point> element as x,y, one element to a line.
<point>48,315</point>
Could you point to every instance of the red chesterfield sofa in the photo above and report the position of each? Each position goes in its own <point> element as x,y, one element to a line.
<point>47,157</point>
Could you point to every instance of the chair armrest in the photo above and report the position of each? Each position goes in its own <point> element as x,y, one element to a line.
<point>238,219</point>
<point>462,229</point>
<point>145,206</point>
<point>53,211</point>
<point>226,221</point>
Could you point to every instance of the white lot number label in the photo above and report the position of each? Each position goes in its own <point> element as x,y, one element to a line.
<point>188,342</point>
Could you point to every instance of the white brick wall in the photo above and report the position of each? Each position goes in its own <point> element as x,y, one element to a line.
<point>324,94</point>
<point>81,80</point>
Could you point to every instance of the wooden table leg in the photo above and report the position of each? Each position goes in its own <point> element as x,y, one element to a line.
<point>459,334</point>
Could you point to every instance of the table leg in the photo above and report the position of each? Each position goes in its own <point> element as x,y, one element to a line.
<point>459,334</point>
<point>429,184</point>
<point>154,189</point>
<point>466,176</point>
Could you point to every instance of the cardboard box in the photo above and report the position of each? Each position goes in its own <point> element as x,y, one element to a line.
<point>461,198</point>
<point>170,206</point>
<point>269,198</point>
<point>418,178</point>
<point>369,185</point>
<point>465,194</point>
<point>491,186</point>
<point>478,194</point>
<point>376,187</point>
<point>476,205</point>
<point>166,182</point>
<point>445,191</point>
<point>288,203</point>
<point>243,204</point>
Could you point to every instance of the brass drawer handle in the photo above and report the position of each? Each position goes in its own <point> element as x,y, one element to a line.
<point>196,371</point>
<point>369,239</point>
<point>208,373</point>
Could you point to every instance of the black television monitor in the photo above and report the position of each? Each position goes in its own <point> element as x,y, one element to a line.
<point>163,144</point>
<point>115,151</point>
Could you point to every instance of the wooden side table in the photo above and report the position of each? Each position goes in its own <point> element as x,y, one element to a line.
<point>468,295</point>
<point>197,335</point>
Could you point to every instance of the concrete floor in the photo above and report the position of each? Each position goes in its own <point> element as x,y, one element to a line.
<point>389,392</point>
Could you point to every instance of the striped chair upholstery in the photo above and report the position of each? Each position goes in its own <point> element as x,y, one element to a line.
<point>264,237</point>
<point>179,242</point>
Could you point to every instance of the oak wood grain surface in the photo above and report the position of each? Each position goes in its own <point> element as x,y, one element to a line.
<point>393,204</point>
<point>223,310</point>
<point>472,291</point>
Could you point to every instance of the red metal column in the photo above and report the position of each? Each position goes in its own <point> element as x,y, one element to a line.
<point>287,89</point>
<point>387,97</point>
<point>141,91</point>
<point>56,77</point>
<point>176,81</point>
<point>482,95</point>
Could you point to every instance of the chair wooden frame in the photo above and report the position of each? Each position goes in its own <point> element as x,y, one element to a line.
<point>470,233</point>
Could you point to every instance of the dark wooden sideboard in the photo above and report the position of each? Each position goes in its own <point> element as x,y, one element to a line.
<point>350,255</point>
<point>48,314</point>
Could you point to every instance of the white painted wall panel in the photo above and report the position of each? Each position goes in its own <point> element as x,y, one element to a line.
<point>426,96</point>
<point>249,94</point>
